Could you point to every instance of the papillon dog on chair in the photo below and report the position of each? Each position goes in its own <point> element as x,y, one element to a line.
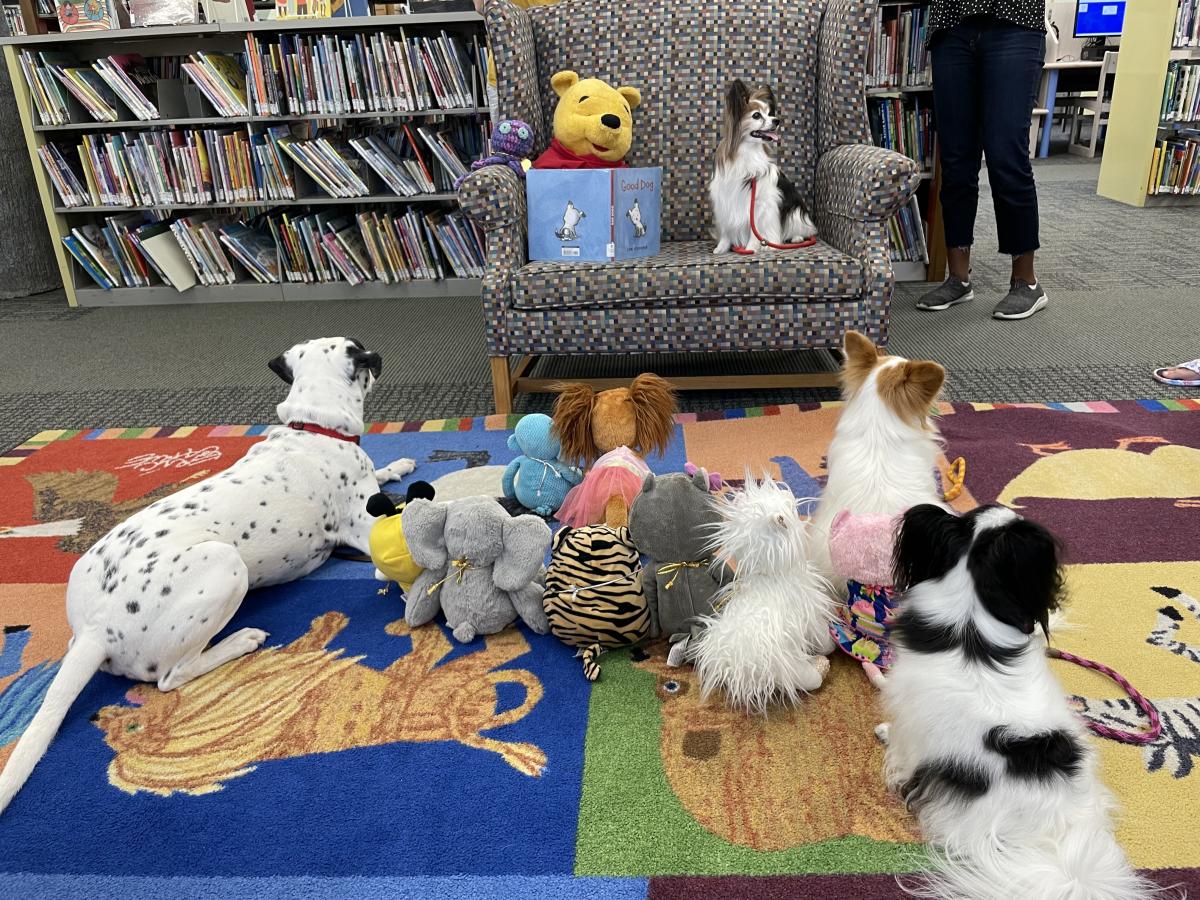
<point>982,745</point>
<point>751,123</point>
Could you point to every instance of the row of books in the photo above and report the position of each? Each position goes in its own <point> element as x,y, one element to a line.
<point>105,88</point>
<point>1175,167</point>
<point>13,23</point>
<point>897,55</point>
<point>1181,92</point>
<point>136,250</point>
<point>904,127</point>
<point>242,165</point>
<point>376,72</point>
<point>1187,24</point>
<point>906,235</point>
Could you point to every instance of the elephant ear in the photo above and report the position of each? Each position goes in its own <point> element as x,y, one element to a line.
<point>526,540</point>
<point>424,523</point>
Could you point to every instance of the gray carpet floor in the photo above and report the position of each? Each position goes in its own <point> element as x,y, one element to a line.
<point>1124,287</point>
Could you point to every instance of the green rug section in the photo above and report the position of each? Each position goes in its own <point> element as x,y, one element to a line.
<point>631,822</point>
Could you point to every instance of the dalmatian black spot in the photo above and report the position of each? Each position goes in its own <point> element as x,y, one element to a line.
<point>162,533</point>
<point>166,591</point>
<point>132,606</point>
<point>152,668</point>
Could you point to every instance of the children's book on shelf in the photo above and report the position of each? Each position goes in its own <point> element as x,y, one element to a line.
<point>91,15</point>
<point>1187,24</point>
<point>1181,93</point>
<point>1175,167</point>
<point>128,77</point>
<point>897,55</point>
<point>84,84</point>
<point>13,23</point>
<point>906,235</point>
<point>220,79</point>
<point>255,248</point>
<point>158,242</point>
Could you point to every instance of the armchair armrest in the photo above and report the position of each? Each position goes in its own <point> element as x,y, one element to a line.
<point>863,183</point>
<point>859,187</point>
<point>494,198</point>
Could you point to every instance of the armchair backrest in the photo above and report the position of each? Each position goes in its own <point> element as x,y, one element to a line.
<point>681,55</point>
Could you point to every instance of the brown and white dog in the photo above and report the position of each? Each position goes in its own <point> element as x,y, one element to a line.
<point>883,456</point>
<point>751,123</point>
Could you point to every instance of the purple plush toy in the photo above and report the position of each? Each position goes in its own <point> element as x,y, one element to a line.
<point>512,141</point>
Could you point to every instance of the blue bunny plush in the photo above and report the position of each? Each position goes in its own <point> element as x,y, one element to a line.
<point>538,478</point>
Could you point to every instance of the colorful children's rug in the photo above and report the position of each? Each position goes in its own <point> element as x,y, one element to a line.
<point>354,757</point>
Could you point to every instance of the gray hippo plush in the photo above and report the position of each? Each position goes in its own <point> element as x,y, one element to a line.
<point>482,566</point>
<point>671,521</point>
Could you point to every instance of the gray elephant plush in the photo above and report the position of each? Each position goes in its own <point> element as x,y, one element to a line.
<point>671,521</point>
<point>482,566</point>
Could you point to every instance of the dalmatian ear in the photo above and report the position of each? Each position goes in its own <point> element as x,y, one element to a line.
<point>632,96</point>
<point>279,365</point>
<point>366,359</point>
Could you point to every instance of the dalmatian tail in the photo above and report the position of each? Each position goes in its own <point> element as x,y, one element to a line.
<point>81,661</point>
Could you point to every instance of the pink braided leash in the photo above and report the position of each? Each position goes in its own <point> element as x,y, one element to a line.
<point>1147,708</point>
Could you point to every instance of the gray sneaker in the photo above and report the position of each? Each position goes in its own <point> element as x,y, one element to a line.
<point>950,292</point>
<point>1021,302</point>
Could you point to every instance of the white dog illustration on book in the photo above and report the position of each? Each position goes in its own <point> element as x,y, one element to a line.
<point>571,217</point>
<point>635,216</point>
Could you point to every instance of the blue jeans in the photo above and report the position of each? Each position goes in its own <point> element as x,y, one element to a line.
<point>985,81</point>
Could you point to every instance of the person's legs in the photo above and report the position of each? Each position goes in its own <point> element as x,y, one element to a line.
<point>956,104</point>
<point>1010,68</point>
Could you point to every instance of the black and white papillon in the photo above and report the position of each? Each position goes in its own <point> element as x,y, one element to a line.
<point>982,745</point>
<point>751,123</point>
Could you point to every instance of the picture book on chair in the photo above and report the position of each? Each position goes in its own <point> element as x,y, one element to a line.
<point>593,214</point>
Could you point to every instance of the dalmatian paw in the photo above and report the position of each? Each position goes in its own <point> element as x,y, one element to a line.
<point>395,471</point>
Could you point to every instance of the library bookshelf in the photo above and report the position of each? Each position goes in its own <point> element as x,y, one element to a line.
<point>1154,41</point>
<point>900,107</point>
<point>229,38</point>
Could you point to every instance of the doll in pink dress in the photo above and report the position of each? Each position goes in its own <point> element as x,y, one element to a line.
<point>616,476</point>
<point>860,548</point>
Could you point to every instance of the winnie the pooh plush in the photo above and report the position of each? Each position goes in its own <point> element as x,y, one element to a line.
<point>593,124</point>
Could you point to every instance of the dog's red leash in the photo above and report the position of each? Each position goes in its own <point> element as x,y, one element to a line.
<point>762,240</point>
<point>1116,734</point>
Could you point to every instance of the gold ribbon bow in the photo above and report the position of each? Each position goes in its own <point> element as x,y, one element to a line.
<point>678,567</point>
<point>955,476</point>
<point>460,565</point>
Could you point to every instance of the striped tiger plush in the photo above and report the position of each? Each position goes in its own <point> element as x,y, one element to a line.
<point>594,597</point>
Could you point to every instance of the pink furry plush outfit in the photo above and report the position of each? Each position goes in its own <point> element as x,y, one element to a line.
<point>860,548</point>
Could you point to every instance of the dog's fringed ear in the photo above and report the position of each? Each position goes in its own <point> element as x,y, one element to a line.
<point>736,97</point>
<point>654,409</point>
<point>631,94</point>
<point>563,81</point>
<point>279,365</point>
<point>911,388</point>
<point>1017,574</point>
<point>573,422</point>
<point>769,96</point>
<point>929,544</point>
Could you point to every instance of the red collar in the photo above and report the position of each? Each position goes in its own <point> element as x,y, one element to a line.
<point>328,432</point>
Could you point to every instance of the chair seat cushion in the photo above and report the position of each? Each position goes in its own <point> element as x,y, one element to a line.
<point>687,272</point>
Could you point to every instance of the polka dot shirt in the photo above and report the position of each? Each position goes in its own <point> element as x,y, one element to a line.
<point>944,14</point>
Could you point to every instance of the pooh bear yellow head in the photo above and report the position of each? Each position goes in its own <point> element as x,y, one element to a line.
<point>593,119</point>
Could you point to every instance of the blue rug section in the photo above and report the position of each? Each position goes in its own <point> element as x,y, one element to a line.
<point>387,809</point>
<point>56,887</point>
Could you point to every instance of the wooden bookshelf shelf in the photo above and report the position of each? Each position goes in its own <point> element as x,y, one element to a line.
<point>898,91</point>
<point>254,204</point>
<point>253,292</point>
<point>218,121</point>
<point>81,290</point>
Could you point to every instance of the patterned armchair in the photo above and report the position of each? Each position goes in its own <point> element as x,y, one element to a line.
<point>682,54</point>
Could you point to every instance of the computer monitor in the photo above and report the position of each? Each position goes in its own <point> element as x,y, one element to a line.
<point>1099,18</point>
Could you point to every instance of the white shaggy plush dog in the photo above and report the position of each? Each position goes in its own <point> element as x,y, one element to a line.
<point>147,598</point>
<point>769,640</point>
<point>982,745</point>
<point>883,456</point>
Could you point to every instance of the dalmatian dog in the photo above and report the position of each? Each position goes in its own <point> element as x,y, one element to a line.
<point>634,213</point>
<point>571,218</point>
<point>146,599</point>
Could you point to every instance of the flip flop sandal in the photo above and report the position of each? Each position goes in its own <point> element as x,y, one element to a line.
<point>1193,366</point>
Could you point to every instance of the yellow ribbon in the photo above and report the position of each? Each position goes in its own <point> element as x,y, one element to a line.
<point>460,565</point>
<point>955,476</point>
<point>678,567</point>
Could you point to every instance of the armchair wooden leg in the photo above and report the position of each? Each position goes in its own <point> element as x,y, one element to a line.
<point>502,384</point>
